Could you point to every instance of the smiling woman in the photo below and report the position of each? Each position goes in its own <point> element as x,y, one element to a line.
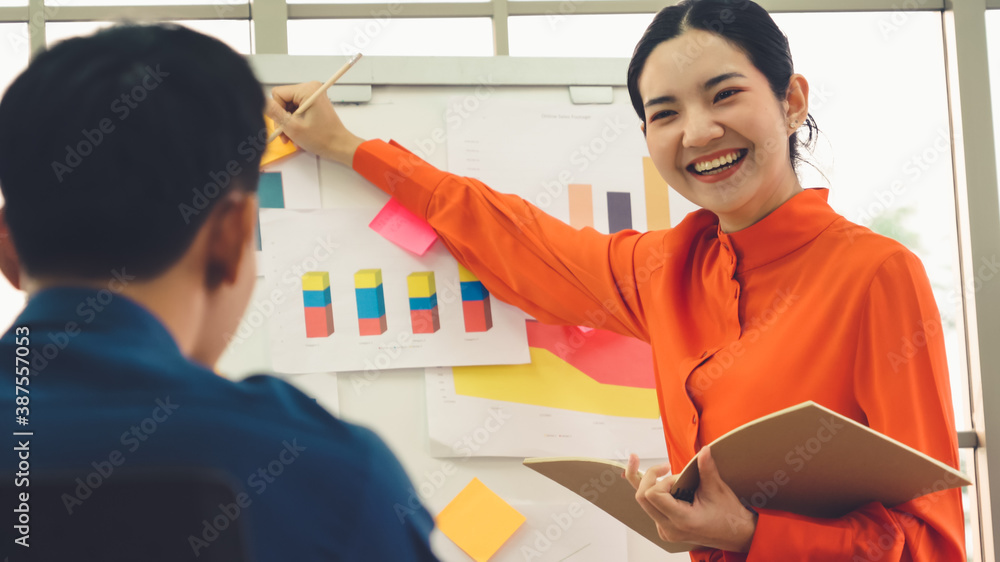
<point>761,300</point>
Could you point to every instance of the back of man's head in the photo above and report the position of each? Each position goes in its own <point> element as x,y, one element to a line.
<point>115,147</point>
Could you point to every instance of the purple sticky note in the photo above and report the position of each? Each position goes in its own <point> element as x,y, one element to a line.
<point>404,229</point>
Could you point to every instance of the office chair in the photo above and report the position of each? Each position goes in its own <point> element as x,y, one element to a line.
<point>137,515</point>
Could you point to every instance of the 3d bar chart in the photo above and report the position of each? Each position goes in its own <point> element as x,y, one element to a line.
<point>475,302</point>
<point>581,205</point>
<point>371,302</point>
<point>619,211</point>
<point>318,304</point>
<point>422,291</point>
<point>657,196</point>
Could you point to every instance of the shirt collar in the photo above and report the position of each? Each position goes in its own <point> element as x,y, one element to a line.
<point>76,309</point>
<point>789,227</point>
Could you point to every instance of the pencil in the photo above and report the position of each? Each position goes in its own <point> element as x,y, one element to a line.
<point>322,89</point>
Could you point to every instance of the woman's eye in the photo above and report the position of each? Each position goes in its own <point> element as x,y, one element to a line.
<point>662,114</point>
<point>725,94</point>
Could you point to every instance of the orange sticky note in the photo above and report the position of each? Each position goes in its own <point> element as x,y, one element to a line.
<point>479,521</point>
<point>277,149</point>
<point>401,227</point>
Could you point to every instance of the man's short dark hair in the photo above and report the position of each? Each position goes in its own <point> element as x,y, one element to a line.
<point>115,147</point>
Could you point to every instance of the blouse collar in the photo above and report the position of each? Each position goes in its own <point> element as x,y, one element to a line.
<point>789,227</point>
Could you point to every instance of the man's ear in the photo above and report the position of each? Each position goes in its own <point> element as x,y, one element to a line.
<point>232,227</point>
<point>10,264</point>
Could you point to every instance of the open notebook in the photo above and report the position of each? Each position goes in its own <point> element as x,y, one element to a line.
<point>806,459</point>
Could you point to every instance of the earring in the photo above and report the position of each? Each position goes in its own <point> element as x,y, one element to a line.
<point>794,124</point>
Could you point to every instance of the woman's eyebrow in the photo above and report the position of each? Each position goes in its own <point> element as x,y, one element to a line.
<point>707,86</point>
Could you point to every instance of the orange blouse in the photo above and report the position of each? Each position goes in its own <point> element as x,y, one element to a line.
<point>803,305</point>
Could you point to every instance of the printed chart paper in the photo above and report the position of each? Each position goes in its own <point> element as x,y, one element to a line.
<point>290,183</point>
<point>583,394</point>
<point>585,165</point>
<point>346,299</point>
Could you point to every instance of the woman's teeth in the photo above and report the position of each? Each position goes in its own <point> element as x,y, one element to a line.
<point>719,164</point>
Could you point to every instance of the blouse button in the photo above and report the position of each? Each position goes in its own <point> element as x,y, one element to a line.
<point>694,419</point>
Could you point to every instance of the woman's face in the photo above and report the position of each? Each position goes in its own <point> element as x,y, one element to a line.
<point>715,130</point>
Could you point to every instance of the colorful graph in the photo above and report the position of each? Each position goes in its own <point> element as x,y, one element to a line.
<point>619,211</point>
<point>599,372</point>
<point>270,194</point>
<point>657,196</point>
<point>318,304</point>
<point>581,205</point>
<point>422,291</point>
<point>475,302</point>
<point>371,302</point>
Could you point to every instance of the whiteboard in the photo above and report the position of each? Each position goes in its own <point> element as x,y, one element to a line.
<point>392,402</point>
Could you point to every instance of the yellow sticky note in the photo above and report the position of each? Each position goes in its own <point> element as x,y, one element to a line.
<point>277,149</point>
<point>479,521</point>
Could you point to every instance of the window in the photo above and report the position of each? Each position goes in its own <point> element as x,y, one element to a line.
<point>567,35</point>
<point>235,33</point>
<point>385,35</point>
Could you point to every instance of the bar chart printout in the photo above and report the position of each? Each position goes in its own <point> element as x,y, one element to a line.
<point>424,315</point>
<point>475,302</point>
<point>371,302</point>
<point>318,304</point>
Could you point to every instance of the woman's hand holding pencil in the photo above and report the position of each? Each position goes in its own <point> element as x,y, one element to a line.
<point>306,116</point>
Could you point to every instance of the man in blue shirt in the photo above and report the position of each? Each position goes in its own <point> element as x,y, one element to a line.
<point>129,166</point>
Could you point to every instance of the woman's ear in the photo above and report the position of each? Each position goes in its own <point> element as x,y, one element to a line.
<point>797,99</point>
<point>10,264</point>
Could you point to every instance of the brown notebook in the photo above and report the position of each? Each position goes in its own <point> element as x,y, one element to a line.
<point>806,459</point>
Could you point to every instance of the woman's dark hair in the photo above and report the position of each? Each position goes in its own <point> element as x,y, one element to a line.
<point>746,26</point>
<point>114,148</point>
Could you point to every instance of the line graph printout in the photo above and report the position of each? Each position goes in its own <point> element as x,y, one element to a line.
<point>585,165</point>
<point>367,283</point>
<point>586,394</point>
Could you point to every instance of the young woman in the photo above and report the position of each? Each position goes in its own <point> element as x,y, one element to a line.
<point>761,300</point>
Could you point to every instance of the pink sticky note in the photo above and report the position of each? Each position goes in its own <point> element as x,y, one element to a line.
<point>404,229</point>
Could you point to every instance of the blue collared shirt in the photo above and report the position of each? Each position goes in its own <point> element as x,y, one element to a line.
<point>108,385</point>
